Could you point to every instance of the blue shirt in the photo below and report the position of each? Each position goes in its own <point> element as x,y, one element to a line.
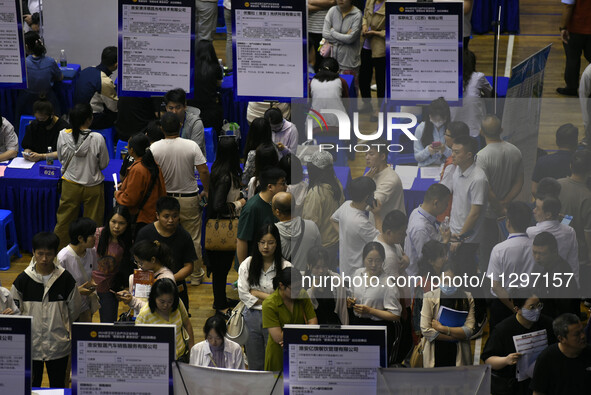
<point>422,155</point>
<point>422,227</point>
<point>41,73</point>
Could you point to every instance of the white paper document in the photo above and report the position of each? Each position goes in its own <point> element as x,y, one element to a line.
<point>431,172</point>
<point>530,345</point>
<point>407,175</point>
<point>424,60</point>
<point>21,163</point>
<point>10,55</point>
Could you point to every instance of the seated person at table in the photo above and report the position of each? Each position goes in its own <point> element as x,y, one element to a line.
<point>285,133</point>
<point>8,140</point>
<point>389,190</point>
<point>175,101</point>
<point>40,141</point>
<point>430,148</point>
<point>95,87</point>
<point>42,73</point>
<point>7,305</point>
<point>216,351</point>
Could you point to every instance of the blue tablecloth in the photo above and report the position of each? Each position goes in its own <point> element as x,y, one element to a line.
<point>484,13</point>
<point>33,199</point>
<point>64,91</point>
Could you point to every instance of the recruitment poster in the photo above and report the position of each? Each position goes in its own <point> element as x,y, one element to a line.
<point>12,52</point>
<point>269,47</point>
<point>133,360</point>
<point>423,51</point>
<point>156,51</point>
<point>333,360</point>
<point>15,357</point>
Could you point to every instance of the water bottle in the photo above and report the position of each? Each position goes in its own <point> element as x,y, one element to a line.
<point>48,158</point>
<point>221,66</point>
<point>63,58</point>
<point>444,227</point>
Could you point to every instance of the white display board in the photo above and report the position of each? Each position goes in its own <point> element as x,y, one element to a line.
<point>423,51</point>
<point>12,55</point>
<point>81,27</point>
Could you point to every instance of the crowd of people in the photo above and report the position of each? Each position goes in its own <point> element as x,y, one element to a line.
<point>294,232</point>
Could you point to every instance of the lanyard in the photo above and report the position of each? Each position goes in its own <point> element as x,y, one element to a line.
<point>434,225</point>
<point>514,236</point>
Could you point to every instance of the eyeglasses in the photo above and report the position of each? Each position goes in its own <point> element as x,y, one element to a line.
<point>267,243</point>
<point>138,263</point>
<point>535,306</point>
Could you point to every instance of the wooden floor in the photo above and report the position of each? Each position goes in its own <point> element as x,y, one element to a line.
<point>539,27</point>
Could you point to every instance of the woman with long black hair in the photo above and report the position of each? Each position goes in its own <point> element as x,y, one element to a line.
<point>225,201</point>
<point>255,284</point>
<point>113,245</point>
<point>83,155</point>
<point>143,185</point>
<point>258,133</point>
<point>208,80</point>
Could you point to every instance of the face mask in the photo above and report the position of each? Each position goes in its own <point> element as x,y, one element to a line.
<point>531,315</point>
<point>448,290</point>
<point>438,124</point>
<point>45,123</point>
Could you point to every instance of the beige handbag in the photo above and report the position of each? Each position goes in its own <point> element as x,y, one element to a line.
<point>221,233</point>
<point>416,358</point>
<point>236,327</point>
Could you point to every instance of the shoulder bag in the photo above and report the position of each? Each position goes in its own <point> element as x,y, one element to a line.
<point>221,233</point>
<point>236,327</point>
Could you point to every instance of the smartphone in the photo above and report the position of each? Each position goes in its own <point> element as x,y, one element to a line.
<point>567,219</point>
<point>436,144</point>
<point>371,201</point>
<point>26,153</point>
<point>203,201</point>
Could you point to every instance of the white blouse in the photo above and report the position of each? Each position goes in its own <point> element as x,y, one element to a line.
<point>265,283</point>
<point>380,297</point>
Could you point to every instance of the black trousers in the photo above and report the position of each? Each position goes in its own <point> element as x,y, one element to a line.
<point>467,263</point>
<point>577,44</point>
<point>220,263</point>
<point>313,44</point>
<point>56,371</point>
<point>368,65</point>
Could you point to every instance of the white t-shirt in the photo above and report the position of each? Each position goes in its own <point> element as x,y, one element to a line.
<point>82,272</point>
<point>177,159</point>
<point>381,297</point>
<point>355,231</point>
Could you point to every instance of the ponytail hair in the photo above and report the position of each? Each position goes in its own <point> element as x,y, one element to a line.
<point>146,250</point>
<point>78,117</point>
<point>141,146</point>
<point>34,44</point>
